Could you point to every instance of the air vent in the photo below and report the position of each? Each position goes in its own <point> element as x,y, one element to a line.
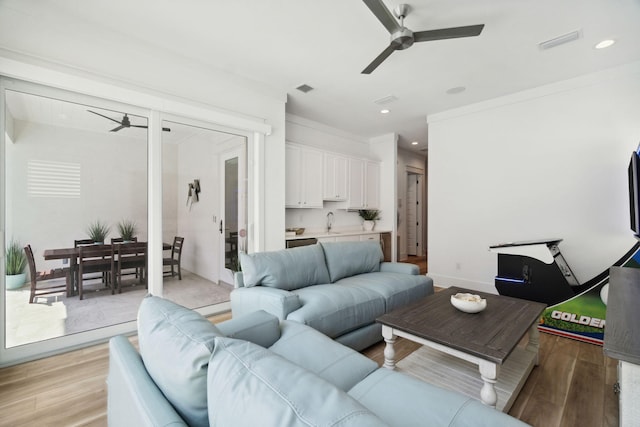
<point>557,41</point>
<point>386,100</point>
<point>304,88</point>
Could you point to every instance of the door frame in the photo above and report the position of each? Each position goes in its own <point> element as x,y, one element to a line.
<point>225,274</point>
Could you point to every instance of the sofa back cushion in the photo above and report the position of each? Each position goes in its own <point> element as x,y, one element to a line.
<point>176,344</point>
<point>287,269</point>
<point>251,386</point>
<point>346,259</point>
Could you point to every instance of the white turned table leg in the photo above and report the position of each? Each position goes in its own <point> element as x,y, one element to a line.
<point>489,375</point>
<point>534,341</point>
<point>389,351</point>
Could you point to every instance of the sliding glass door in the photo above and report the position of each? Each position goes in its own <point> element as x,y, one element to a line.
<point>72,164</point>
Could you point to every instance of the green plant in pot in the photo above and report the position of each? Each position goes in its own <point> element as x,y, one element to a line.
<point>98,231</point>
<point>16,261</point>
<point>369,217</point>
<point>127,230</point>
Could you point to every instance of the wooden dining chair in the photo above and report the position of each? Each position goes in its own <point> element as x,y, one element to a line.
<point>120,240</point>
<point>176,256</point>
<point>37,277</point>
<point>93,259</point>
<point>127,256</point>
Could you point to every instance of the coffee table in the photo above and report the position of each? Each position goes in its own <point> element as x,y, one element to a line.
<point>457,344</point>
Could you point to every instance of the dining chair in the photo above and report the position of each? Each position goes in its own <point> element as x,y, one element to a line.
<point>127,256</point>
<point>37,277</point>
<point>174,259</point>
<point>93,259</point>
<point>120,240</point>
<point>83,242</point>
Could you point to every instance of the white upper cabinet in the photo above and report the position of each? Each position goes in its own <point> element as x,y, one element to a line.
<point>335,177</point>
<point>303,177</point>
<point>364,184</point>
<point>372,185</point>
<point>356,184</point>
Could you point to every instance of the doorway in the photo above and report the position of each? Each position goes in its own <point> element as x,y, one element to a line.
<point>415,214</point>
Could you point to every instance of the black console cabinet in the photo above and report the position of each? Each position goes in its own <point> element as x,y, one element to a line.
<point>534,270</point>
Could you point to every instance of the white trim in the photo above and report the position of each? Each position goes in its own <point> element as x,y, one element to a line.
<point>61,80</point>
<point>154,204</point>
<point>540,92</point>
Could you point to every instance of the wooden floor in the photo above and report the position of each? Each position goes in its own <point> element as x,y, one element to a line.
<point>572,386</point>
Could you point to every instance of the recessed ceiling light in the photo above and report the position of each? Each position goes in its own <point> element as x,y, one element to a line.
<point>385,111</point>
<point>456,90</point>
<point>605,43</point>
<point>414,143</point>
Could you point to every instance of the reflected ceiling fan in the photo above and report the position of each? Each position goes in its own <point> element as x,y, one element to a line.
<point>124,123</point>
<point>402,37</point>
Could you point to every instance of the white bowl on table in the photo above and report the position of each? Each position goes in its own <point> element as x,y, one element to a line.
<point>469,303</point>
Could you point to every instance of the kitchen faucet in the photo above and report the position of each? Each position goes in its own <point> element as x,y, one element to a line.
<point>329,221</point>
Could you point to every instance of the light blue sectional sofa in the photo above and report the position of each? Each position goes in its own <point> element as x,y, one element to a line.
<point>337,288</point>
<point>255,370</point>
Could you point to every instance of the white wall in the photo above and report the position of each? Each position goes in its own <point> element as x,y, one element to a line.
<point>113,186</point>
<point>546,163</point>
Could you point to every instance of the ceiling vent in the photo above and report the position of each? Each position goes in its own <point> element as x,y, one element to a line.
<point>386,100</point>
<point>304,88</point>
<point>557,41</point>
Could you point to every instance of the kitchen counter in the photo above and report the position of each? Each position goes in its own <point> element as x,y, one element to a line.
<point>321,234</point>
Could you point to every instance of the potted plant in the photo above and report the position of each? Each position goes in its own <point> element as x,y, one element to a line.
<point>127,230</point>
<point>16,261</point>
<point>369,217</point>
<point>98,231</point>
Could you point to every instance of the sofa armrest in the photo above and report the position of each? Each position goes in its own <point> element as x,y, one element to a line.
<point>399,267</point>
<point>278,302</point>
<point>258,327</point>
<point>133,398</point>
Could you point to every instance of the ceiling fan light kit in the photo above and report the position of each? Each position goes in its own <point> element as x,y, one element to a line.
<point>402,37</point>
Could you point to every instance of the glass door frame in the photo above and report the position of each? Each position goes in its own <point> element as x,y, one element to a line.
<point>156,108</point>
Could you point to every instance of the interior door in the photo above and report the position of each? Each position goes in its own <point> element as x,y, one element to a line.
<point>232,221</point>
<point>412,214</point>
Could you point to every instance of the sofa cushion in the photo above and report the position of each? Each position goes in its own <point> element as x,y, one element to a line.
<point>314,351</point>
<point>285,269</point>
<point>421,403</point>
<point>346,259</point>
<point>175,345</point>
<point>397,289</point>
<point>259,327</point>
<point>334,310</point>
<point>251,386</point>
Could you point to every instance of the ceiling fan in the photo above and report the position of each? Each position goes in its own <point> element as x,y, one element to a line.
<point>124,123</point>
<point>402,37</point>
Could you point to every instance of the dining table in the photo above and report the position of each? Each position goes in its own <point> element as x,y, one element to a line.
<point>72,254</point>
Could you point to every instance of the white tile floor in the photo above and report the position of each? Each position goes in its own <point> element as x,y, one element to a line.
<point>56,315</point>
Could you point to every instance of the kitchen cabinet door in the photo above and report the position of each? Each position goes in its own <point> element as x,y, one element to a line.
<point>356,184</point>
<point>303,169</point>
<point>372,185</point>
<point>335,177</point>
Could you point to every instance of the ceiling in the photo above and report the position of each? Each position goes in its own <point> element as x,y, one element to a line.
<point>326,44</point>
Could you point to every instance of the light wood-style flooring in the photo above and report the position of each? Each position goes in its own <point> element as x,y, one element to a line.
<point>572,386</point>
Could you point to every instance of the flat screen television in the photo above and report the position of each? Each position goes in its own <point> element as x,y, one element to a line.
<point>634,191</point>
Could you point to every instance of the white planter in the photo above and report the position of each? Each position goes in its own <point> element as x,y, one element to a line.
<point>15,281</point>
<point>368,225</point>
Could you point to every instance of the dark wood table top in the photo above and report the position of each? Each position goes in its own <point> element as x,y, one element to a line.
<point>491,334</point>
<point>64,253</point>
